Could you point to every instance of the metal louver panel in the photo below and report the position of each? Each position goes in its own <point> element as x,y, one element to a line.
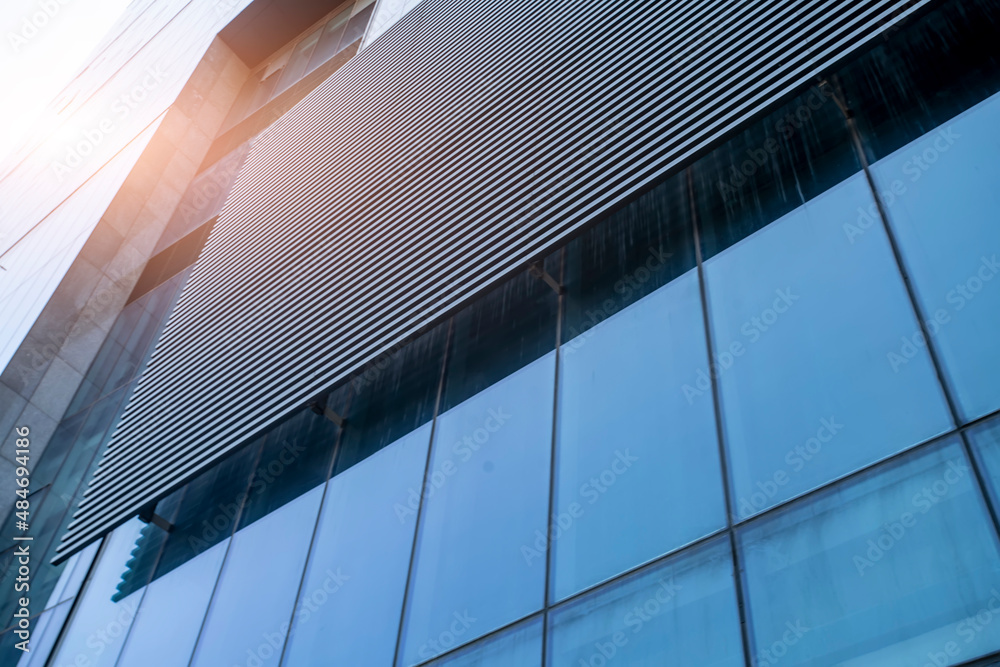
<point>466,141</point>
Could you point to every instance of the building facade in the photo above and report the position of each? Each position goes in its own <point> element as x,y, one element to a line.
<point>514,334</point>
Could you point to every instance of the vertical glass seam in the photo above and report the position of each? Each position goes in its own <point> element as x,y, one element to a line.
<point>883,213</point>
<point>316,524</point>
<point>225,556</point>
<point>727,489</point>
<point>547,598</point>
<point>145,587</point>
<point>423,485</point>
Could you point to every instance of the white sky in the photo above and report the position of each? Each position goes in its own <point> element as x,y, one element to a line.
<point>59,37</point>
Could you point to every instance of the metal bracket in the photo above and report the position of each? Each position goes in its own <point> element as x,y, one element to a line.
<point>324,411</point>
<point>149,515</point>
<point>537,271</point>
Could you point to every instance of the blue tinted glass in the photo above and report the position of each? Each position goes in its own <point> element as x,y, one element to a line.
<point>45,631</point>
<point>353,592</point>
<point>487,494</point>
<point>985,440</point>
<point>942,200</point>
<point>629,438</point>
<point>804,314</point>
<point>72,576</point>
<point>252,606</point>
<point>678,612</point>
<point>97,629</point>
<point>296,457</point>
<point>166,628</point>
<point>890,568</point>
<point>521,646</point>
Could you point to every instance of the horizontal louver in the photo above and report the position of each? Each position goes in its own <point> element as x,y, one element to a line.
<point>468,140</point>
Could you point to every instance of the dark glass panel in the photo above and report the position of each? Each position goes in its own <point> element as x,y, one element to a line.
<point>681,611</point>
<point>928,71</point>
<point>392,396</point>
<point>501,332</point>
<point>771,168</point>
<point>295,459</point>
<point>892,567</point>
<point>329,41</point>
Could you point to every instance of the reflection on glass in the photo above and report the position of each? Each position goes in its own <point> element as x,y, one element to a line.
<point>327,47</point>
<point>885,569</point>
<point>943,204</point>
<point>392,396</point>
<point>679,612</point>
<point>521,646</point>
<point>486,501</point>
<point>297,63</point>
<point>353,592</point>
<point>772,167</point>
<point>166,628</point>
<point>804,320</point>
<point>98,627</point>
<point>295,458</point>
<point>942,64</point>
<point>252,607</point>
<point>44,633</point>
<point>207,509</point>
<point>629,438</point>
<point>501,332</point>
<point>985,440</point>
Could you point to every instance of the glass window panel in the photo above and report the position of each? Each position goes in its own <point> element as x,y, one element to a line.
<point>487,494</point>
<point>207,509</point>
<point>678,612</point>
<point>943,204</point>
<point>329,41</point>
<point>985,440</point>
<point>97,629</point>
<point>55,452</point>
<point>629,438</point>
<point>295,458</point>
<point>501,332</point>
<point>297,63</point>
<point>73,574</point>
<point>803,321</point>
<point>252,605</point>
<point>926,72</point>
<point>890,568</point>
<point>356,27</point>
<point>352,595</point>
<point>44,633</point>
<point>772,167</point>
<point>392,396</point>
<point>243,105</point>
<point>166,628</point>
<point>520,646</point>
<point>632,254</point>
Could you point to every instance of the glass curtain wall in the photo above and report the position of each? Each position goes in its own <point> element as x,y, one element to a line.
<point>735,434</point>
